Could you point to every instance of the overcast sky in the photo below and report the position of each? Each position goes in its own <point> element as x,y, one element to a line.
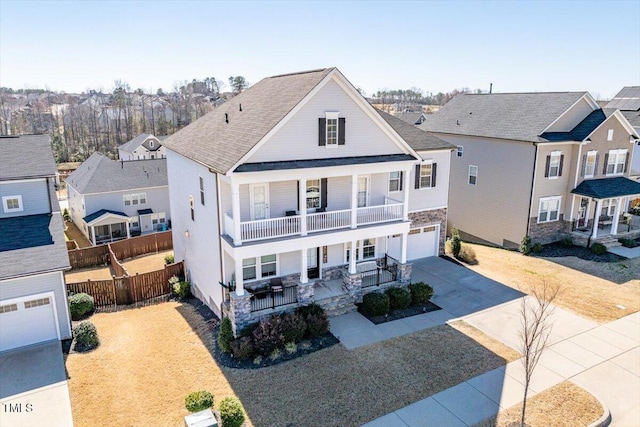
<point>437,46</point>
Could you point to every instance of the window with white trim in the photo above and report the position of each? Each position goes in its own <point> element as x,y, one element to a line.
<point>134,199</point>
<point>549,209</point>
<point>615,162</point>
<point>12,204</point>
<point>151,143</point>
<point>313,193</point>
<point>610,135</point>
<point>425,175</point>
<point>608,207</point>
<point>590,164</point>
<point>332,128</point>
<point>201,181</point>
<point>460,151</point>
<point>395,181</point>
<point>192,208</point>
<point>365,249</point>
<point>260,267</point>
<point>554,164</point>
<point>473,174</point>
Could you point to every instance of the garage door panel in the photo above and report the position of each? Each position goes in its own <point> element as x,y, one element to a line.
<point>420,244</point>
<point>27,322</point>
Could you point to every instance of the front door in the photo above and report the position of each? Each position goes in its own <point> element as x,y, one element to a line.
<point>313,263</point>
<point>259,201</point>
<point>583,212</point>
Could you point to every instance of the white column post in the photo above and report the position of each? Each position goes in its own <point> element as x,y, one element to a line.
<point>93,235</point>
<point>235,212</point>
<point>354,201</point>
<point>238,274</point>
<point>302,195</point>
<point>352,258</point>
<point>128,233</point>
<point>405,187</point>
<point>596,218</point>
<point>403,248</point>
<point>303,266</point>
<point>616,216</point>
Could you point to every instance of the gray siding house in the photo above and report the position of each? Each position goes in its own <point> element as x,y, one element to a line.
<point>628,102</point>
<point>33,253</point>
<point>143,147</point>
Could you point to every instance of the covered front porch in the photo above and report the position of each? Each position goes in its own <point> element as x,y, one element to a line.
<point>106,226</point>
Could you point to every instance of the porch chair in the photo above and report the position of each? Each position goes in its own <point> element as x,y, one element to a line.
<point>276,285</point>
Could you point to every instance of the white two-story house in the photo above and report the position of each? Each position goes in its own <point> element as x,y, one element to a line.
<point>33,253</point>
<point>143,147</point>
<point>298,190</point>
<point>111,200</point>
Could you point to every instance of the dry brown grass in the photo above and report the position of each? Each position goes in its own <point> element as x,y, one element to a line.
<point>150,358</point>
<point>585,294</point>
<point>75,276</point>
<point>561,406</point>
<point>73,233</point>
<point>147,263</point>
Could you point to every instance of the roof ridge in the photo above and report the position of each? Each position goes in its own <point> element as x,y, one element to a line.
<point>528,93</point>
<point>300,72</point>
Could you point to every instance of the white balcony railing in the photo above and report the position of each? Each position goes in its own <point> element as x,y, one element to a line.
<point>228,226</point>
<point>375,214</point>
<point>269,228</point>
<point>328,220</point>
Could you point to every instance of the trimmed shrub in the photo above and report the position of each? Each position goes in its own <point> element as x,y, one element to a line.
<point>269,335</point>
<point>456,243</point>
<point>468,255</point>
<point>291,347</point>
<point>567,242</point>
<point>525,245</point>
<point>293,327</point>
<point>169,259</point>
<point>65,215</point>
<point>448,248</point>
<point>629,243</point>
<point>79,305</point>
<point>182,289</point>
<point>315,318</point>
<point>85,336</point>
<point>376,304</point>
<point>399,298</point>
<point>310,309</point>
<point>242,348</point>
<point>225,335</point>
<point>198,401</point>
<point>247,331</point>
<point>598,249</point>
<point>231,412</point>
<point>420,292</point>
<point>537,248</point>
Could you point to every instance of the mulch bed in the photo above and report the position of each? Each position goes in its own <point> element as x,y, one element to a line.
<point>556,250</point>
<point>412,310</point>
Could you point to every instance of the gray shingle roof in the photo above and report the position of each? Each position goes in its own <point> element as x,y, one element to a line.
<point>130,146</point>
<point>220,145</point>
<point>516,116</point>
<point>409,117</point>
<point>27,156</point>
<point>582,129</point>
<point>99,174</point>
<point>633,117</point>
<point>32,244</point>
<point>605,188</point>
<point>628,99</point>
<point>417,138</point>
<point>101,212</point>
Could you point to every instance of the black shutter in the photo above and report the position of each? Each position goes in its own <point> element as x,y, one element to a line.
<point>546,167</point>
<point>626,163</point>
<point>584,165</point>
<point>561,163</point>
<point>322,131</point>
<point>341,131</point>
<point>606,160</point>
<point>323,193</point>
<point>434,168</point>
<point>417,176</point>
<point>298,195</point>
<point>401,181</point>
<point>595,167</point>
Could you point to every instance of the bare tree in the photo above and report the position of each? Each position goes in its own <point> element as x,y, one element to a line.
<point>535,328</point>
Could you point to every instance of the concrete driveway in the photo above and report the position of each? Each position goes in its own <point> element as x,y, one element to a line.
<point>33,387</point>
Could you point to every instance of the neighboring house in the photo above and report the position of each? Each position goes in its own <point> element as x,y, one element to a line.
<point>413,118</point>
<point>33,253</point>
<point>316,191</point>
<point>628,102</point>
<point>112,199</point>
<point>539,164</point>
<point>143,147</point>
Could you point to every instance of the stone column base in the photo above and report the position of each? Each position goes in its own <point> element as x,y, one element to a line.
<point>353,284</point>
<point>305,293</point>
<point>403,276</point>
<point>239,311</point>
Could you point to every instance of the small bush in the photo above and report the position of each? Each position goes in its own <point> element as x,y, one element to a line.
<point>247,331</point>
<point>315,318</point>
<point>291,347</point>
<point>310,309</point>
<point>448,247</point>
<point>275,354</point>
<point>468,255</point>
<point>85,336</point>
<point>79,305</point>
<point>269,336</point>
<point>242,348</point>
<point>294,327</point>
<point>399,298</point>
<point>629,243</point>
<point>598,249</point>
<point>537,248</point>
<point>525,245</point>
<point>421,293</point>
<point>567,242</point>
<point>231,412</point>
<point>198,401</point>
<point>182,289</point>
<point>169,259</point>
<point>173,280</point>
<point>456,243</point>
<point>376,304</point>
<point>225,335</point>
<point>257,360</point>
<point>65,215</point>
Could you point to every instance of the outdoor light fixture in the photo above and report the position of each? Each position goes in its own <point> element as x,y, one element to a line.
<point>186,234</point>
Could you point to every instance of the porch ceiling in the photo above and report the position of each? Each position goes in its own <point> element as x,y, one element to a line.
<point>317,163</point>
<point>606,188</point>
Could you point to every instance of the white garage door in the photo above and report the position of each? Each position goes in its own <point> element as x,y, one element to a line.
<point>27,321</point>
<point>422,243</point>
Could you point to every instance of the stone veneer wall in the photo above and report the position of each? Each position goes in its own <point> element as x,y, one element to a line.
<point>548,232</point>
<point>426,218</point>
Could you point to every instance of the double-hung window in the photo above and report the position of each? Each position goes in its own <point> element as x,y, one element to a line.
<point>554,165</point>
<point>395,181</point>
<point>365,249</point>
<point>192,208</point>
<point>473,174</point>
<point>332,131</point>
<point>549,209</point>
<point>260,267</point>
<point>616,160</point>
<point>201,190</point>
<point>313,193</point>
<point>425,176</point>
<point>590,164</point>
<point>12,204</point>
<point>608,207</point>
<point>460,151</point>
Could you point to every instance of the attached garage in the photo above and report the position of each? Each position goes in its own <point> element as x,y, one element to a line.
<point>422,243</point>
<point>28,320</point>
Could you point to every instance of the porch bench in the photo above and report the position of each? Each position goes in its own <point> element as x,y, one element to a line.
<point>604,220</point>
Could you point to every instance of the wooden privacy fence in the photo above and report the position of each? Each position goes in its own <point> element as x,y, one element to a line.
<point>89,257</point>
<point>127,290</point>
<point>116,265</point>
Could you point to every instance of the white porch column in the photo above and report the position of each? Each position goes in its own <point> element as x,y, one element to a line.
<point>352,258</point>
<point>235,212</point>
<point>303,266</point>
<point>403,248</point>
<point>302,196</point>
<point>616,216</point>
<point>405,187</point>
<point>128,233</point>
<point>93,235</point>
<point>596,218</point>
<point>354,201</point>
<point>238,274</point>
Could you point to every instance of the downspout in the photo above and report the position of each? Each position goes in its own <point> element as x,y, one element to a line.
<point>218,200</point>
<point>575,182</point>
<point>46,181</point>
<point>533,184</point>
